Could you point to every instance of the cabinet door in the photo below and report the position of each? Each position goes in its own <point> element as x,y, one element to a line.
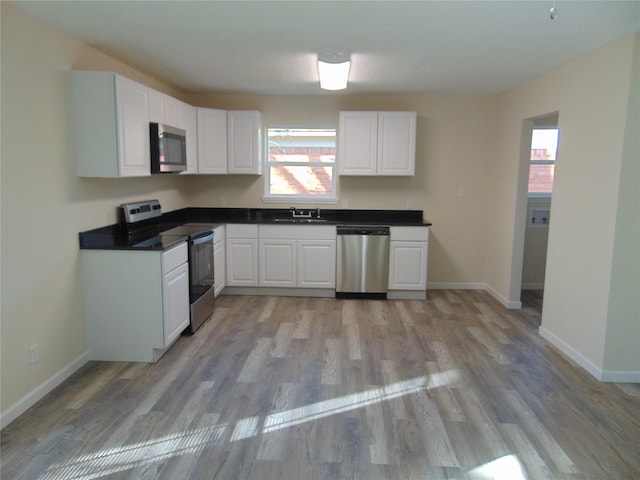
<point>242,262</point>
<point>212,140</point>
<point>357,143</point>
<point>408,266</point>
<point>175,302</point>
<point>187,121</point>
<point>219,267</point>
<point>317,263</point>
<point>244,141</point>
<point>132,109</point>
<point>156,106</point>
<point>396,143</point>
<point>277,263</point>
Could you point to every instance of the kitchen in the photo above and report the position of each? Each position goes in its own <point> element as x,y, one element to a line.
<point>471,245</point>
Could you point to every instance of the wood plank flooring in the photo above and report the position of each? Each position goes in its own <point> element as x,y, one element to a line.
<point>455,386</point>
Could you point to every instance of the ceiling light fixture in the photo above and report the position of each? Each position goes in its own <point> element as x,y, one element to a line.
<point>333,70</point>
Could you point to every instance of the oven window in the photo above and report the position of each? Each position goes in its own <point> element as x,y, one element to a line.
<point>201,266</point>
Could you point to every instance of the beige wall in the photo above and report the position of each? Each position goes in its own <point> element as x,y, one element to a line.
<point>44,205</point>
<point>622,348</point>
<point>592,96</point>
<point>454,135</point>
<point>462,141</point>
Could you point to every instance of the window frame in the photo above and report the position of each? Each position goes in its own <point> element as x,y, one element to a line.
<point>268,197</point>
<point>542,195</point>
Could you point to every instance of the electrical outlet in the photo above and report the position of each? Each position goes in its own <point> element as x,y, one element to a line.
<point>33,354</point>
<point>221,201</point>
<point>460,192</point>
<point>409,204</point>
<point>345,203</point>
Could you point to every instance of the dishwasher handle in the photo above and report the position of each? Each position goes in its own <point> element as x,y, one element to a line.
<point>362,230</point>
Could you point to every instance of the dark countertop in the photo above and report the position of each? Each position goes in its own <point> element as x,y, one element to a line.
<point>148,234</point>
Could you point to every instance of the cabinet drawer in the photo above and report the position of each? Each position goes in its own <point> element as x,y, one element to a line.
<point>174,258</point>
<point>410,234</point>
<point>298,232</point>
<point>237,230</point>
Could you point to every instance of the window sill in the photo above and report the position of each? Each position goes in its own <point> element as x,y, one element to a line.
<point>539,197</point>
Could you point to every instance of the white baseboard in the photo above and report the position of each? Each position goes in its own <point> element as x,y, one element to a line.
<point>620,376</point>
<point>571,352</point>
<point>456,286</point>
<point>513,305</point>
<point>510,304</point>
<point>613,376</point>
<point>31,398</point>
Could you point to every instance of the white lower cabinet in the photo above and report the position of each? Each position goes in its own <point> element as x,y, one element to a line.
<point>297,256</point>
<point>242,255</point>
<point>219,259</point>
<point>317,263</point>
<point>278,261</point>
<point>174,298</point>
<point>408,255</point>
<point>136,302</point>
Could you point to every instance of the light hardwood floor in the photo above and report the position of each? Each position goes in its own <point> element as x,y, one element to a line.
<point>309,388</point>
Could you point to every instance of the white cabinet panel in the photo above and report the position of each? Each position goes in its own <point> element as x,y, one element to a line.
<point>357,143</point>
<point>317,263</point>
<point>408,266</point>
<point>219,260</point>
<point>133,128</point>
<point>175,301</point>
<point>396,143</point>
<point>278,263</point>
<point>242,261</point>
<point>212,141</point>
<point>244,141</point>
<point>187,121</point>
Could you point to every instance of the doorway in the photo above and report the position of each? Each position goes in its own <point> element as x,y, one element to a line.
<point>539,153</point>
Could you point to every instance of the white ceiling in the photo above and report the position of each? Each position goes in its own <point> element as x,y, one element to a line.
<point>270,47</point>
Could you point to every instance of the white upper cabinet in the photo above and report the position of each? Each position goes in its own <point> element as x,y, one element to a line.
<point>212,140</point>
<point>171,111</point>
<point>111,115</point>
<point>357,143</point>
<point>396,143</point>
<point>377,143</point>
<point>244,142</point>
<point>188,122</point>
<point>163,108</point>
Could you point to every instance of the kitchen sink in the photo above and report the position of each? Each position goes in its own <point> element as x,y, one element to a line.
<point>299,220</point>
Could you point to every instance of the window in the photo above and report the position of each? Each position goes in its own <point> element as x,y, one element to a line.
<point>301,164</point>
<point>544,146</point>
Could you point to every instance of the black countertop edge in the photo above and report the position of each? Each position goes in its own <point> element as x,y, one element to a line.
<point>268,215</point>
<point>147,234</point>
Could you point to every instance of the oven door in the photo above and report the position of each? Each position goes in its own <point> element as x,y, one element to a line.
<point>201,266</point>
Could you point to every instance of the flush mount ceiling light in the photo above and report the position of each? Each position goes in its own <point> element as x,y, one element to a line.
<point>333,70</point>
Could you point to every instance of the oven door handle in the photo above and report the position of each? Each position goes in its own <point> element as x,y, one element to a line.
<point>207,237</point>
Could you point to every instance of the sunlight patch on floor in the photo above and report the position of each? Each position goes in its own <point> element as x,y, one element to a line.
<point>503,468</point>
<point>315,411</point>
<point>119,459</point>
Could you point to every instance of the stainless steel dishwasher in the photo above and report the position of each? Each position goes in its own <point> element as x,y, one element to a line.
<point>362,269</point>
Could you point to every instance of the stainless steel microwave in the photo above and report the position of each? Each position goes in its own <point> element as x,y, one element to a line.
<point>168,149</point>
